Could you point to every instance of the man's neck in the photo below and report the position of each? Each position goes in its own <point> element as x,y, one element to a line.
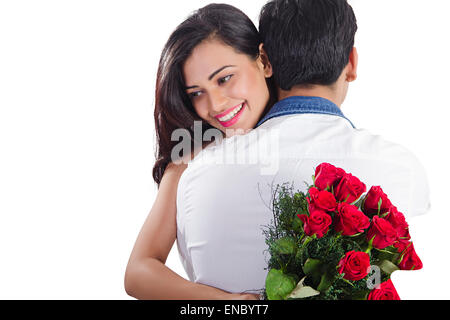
<point>312,91</point>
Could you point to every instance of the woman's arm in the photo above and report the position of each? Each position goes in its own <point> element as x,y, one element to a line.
<point>146,276</point>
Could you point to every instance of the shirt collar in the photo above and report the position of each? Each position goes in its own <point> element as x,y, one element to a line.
<point>303,104</point>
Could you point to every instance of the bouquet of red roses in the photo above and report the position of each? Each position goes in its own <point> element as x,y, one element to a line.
<point>336,241</point>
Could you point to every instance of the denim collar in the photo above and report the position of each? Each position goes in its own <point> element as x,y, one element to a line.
<point>302,104</point>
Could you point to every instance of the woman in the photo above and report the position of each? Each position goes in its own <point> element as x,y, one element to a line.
<point>213,69</point>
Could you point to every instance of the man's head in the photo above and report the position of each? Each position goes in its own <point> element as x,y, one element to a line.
<point>309,42</point>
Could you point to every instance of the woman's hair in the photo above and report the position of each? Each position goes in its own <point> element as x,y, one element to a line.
<point>173,107</point>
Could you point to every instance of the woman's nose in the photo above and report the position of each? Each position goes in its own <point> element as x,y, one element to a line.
<point>218,102</point>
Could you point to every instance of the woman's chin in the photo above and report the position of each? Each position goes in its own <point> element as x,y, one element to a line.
<point>243,126</point>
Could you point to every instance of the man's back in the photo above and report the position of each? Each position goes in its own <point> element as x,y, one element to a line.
<point>224,201</point>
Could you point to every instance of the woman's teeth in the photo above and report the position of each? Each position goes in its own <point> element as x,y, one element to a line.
<point>231,115</point>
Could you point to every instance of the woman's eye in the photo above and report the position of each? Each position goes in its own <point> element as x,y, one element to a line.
<point>195,94</point>
<point>225,79</point>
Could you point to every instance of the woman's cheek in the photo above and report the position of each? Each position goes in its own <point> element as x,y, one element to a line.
<point>242,88</point>
<point>201,110</point>
<point>259,88</point>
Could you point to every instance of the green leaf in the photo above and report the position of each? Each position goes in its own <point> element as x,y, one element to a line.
<point>379,205</point>
<point>358,201</point>
<point>325,282</point>
<point>361,295</point>
<point>279,285</point>
<point>388,267</point>
<point>355,235</point>
<point>384,215</point>
<point>297,224</point>
<point>285,245</point>
<point>311,266</point>
<point>370,246</point>
<point>301,291</point>
<point>389,253</point>
<point>361,205</point>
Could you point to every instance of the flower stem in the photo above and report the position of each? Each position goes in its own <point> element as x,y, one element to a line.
<point>369,248</point>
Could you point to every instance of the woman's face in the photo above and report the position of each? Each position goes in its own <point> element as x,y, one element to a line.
<point>227,89</point>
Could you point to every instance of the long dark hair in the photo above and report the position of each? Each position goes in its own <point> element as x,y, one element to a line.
<point>173,108</point>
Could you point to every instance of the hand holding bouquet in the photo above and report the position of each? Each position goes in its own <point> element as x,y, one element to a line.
<point>336,241</point>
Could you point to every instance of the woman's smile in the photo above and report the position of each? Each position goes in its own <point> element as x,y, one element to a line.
<point>231,116</point>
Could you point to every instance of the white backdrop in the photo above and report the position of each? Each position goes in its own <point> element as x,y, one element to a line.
<point>77,136</point>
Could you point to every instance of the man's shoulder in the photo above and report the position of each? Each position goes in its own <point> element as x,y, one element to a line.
<point>377,145</point>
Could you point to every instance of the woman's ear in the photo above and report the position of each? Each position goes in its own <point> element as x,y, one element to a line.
<point>264,60</point>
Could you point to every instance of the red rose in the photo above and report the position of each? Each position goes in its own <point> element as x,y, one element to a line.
<point>317,223</point>
<point>397,220</point>
<point>410,260</point>
<point>350,220</point>
<point>321,200</point>
<point>385,291</point>
<point>327,175</point>
<point>355,265</point>
<point>402,244</point>
<point>372,199</point>
<point>350,188</point>
<point>384,233</point>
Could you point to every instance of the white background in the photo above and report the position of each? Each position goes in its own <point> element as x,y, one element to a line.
<point>77,136</point>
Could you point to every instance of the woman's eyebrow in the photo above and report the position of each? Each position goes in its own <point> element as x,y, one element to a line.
<point>212,75</point>
<point>217,71</point>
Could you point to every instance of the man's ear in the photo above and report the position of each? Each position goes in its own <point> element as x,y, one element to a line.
<point>352,66</point>
<point>264,60</point>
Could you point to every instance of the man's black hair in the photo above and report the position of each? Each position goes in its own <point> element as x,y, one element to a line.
<point>307,41</point>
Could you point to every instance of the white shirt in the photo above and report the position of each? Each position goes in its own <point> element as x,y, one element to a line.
<point>221,208</point>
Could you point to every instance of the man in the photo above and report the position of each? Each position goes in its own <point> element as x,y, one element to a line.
<point>222,207</point>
